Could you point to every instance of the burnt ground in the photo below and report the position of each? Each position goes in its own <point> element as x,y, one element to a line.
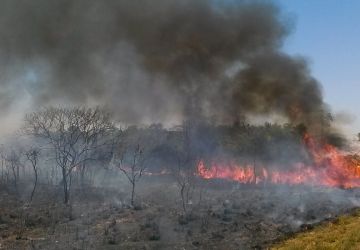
<point>221,215</point>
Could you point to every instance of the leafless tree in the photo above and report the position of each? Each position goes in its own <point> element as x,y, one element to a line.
<point>185,167</point>
<point>4,173</point>
<point>73,134</point>
<point>185,181</point>
<point>32,156</point>
<point>13,164</point>
<point>131,163</point>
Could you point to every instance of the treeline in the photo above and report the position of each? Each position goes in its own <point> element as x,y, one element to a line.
<point>67,147</point>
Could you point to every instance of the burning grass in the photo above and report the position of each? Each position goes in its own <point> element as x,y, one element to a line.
<point>342,233</point>
<point>328,166</point>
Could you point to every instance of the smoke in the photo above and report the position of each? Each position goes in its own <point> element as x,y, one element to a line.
<point>277,82</point>
<point>159,60</point>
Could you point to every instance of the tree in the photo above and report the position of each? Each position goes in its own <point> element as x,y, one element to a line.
<point>134,167</point>
<point>134,152</point>
<point>13,164</point>
<point>73,134</point>
<point>32,156</point>
<point>256,148</point>
<point>184,177</point>
<point>185,168</point>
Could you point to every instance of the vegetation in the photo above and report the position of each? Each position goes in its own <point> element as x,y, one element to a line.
<point>77,173</point>
<point>74,135</point>
<point>77,143</point>
<point>342,233</point>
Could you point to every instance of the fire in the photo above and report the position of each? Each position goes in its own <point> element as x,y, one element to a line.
<point>330,167</point>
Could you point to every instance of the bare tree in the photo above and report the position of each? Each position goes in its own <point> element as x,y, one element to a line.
<point>185,181</point>
<point>32,156</point>
<point>184,171</point>
<point>131,163</point>
<point>4,170</point>
<point>73,134</point>
<point>13,164</point>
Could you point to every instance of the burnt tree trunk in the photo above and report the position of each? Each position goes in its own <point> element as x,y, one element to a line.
<point>182,190</point>
<point>35,183</point>
<point>132,193</point>
<point>15,178</point>
<point>254,169</point>
<point>65,186</point>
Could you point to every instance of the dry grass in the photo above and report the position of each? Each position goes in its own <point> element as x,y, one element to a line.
<point>344,233</point>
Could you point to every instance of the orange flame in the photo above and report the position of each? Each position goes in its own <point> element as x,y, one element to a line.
<point>330,168</point>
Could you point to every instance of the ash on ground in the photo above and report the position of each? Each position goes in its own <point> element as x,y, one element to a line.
<point>219,215</point>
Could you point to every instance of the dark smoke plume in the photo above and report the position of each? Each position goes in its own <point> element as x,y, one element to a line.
<point>154,60</point>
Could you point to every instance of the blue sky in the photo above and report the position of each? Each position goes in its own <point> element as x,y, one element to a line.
<point>327,33</point>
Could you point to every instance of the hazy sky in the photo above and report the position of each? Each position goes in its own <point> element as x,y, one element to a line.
<point>327,32</point>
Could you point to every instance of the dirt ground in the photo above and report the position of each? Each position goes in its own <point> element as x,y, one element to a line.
<point>221,215</point>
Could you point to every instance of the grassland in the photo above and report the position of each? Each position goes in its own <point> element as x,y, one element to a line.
<point>342,233</point>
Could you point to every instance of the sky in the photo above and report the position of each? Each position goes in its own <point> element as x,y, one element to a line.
<point>327,33</point>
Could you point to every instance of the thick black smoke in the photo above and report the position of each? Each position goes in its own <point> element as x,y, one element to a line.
<point>154,60</point>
